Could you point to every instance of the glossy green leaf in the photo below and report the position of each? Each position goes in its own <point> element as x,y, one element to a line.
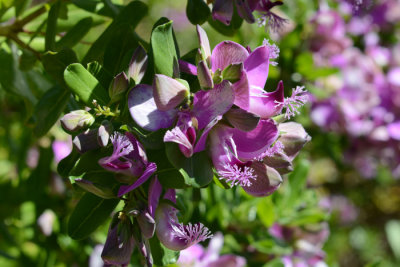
<point>130,15</point>
<point>85,85</point>
<point>49,108</point>
<point>67,164</point>
<point>101,74</point>
<point>120,49</point>
<point>51,30</point>
<point>196,170</point>
<point>164,51</point>
<point>89,161</point>
<point>197,11</point>
<point>75,34</point>
<point>168,176</point>
<point>90,212</point>
<point>162,256</point>
<point>55,63</point>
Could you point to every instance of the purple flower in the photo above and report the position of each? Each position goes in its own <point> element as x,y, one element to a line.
<point>197,256</point>
<point>223,11</point>
<point>61,149</point>
<point>129,159</point>
<point>175,235</point>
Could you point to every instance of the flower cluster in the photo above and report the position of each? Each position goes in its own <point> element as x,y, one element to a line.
<point>230,119</point>
<point>364,94</point>
<point>223,11</point>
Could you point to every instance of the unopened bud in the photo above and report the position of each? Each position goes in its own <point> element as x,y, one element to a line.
<point>104,132</point>
<point>280,162</point>
<point>293,137</point>
<point>146,223</point>
<point>268,180</point>
<point>168,92</point>
<point>138,65</point>
<point>77,120</point>
<point>86,141</point>
<point>120,242</point>
<point>204,75</point>
<point>118,87</point>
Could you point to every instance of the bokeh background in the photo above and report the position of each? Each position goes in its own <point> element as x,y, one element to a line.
<point>340,206</point>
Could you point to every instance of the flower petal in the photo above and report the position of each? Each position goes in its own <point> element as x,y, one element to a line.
<point>268,180</point>
<point>264,105</point>
<point>155,190</point>
<point>226,53</point>
<point>187,67</point>
<point>151,168</point>
<point>204,43</point>
<point>242,120</point>
<point>256,66</point>
<point>207,105</point>
<point>251,144</point>
<point>144,112</point>
<point>223,11</point>
<point>201,143</point>
<point>177,136</point>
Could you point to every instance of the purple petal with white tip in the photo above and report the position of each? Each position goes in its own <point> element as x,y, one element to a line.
<point>144,112</point>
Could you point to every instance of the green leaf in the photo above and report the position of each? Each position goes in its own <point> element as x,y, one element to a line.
<point>27,60</point>
<point>197,11</point>
<point>164,51</point>
<point>51,30</point>
<point>101,74</point>
<point>162,256</point>
<point>168,176</point>
<point>11,78</point>
<point>392,233</point>
<point>196,170</point>
<point>75,34</point>
<point>84,85</point>
<point>55,63</point>
<point>130,15</point>
<point>102,183</point>
<point>266,211</point>
<point>306,67</point>
<point>90,212</point>
<point>67,164</point>
<point>20,6</point>
<point>89,161</point>
<point>49,108</point>
<point>120,49</point>
<point>296,183</point>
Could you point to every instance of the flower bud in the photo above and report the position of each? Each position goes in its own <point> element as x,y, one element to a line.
<point>138,65</point>
<point>293,137</point>
<point>280,162</point>
<point>205,50</point>
<point>118,87</point>
<point>120,242</point>
<point>86,141</point>
<point>146,223</point>
<point>268,180</point>
<point>204,75</point>
<point>168,92</point>
<point>104,133</point>
<point>77,120</point>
